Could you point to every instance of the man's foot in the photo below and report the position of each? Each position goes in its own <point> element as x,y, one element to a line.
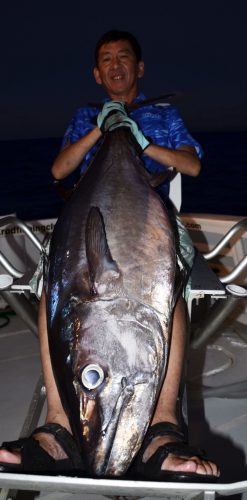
<point>180,463</point>
<point>50,449</point>
<point>164,455</point>
<point>46,441</point>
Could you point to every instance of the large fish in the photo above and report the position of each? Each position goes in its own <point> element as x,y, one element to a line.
<point>110,292</point>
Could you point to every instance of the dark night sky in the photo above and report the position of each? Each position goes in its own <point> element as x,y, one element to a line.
<point>197,47</point>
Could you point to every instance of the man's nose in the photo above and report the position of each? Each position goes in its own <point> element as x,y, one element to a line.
<point>115,62</point>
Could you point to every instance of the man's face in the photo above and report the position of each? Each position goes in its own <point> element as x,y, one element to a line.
<point>118,70</point>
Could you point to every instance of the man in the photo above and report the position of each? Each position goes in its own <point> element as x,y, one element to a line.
<point>165,143</point>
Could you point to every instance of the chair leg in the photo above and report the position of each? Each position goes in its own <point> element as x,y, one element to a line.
<point>35,409</point>
<point>23,308</point>
<point>30,423</point>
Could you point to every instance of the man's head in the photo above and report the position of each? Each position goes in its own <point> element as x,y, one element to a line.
<point>118,64</point>
<point>115,36</point>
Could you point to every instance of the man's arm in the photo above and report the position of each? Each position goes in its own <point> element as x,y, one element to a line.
<point>72,155</point>
<point>184,159</point>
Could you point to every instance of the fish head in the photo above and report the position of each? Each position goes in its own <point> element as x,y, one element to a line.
<point>117,360</point>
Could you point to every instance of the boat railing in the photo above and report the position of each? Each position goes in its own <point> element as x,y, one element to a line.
<point>239,226</point>
<point>10,219</point>
<point>228,278</point>
<point>4,261</point>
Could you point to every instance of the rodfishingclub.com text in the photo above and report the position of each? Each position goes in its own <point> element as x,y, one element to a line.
<point>36,228</point>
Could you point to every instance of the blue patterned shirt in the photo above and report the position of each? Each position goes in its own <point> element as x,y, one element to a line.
<point>160,123</point>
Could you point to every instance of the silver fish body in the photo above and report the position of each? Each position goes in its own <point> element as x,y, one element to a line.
<point>110,289</point>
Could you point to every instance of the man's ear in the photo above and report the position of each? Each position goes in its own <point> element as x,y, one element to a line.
<point>140,72</point>
<point>97,76</point>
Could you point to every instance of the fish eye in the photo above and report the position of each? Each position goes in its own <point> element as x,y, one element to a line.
<point>92,376</point>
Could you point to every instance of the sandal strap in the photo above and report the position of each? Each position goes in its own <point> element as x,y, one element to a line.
<point>163,429</point>
<point>151,469</point>
<point>181,448</point>
<point>65,439</point>
<point>13,445</point>
<point>177,448</point>
<point>34,457</point>
<point>156,430</point>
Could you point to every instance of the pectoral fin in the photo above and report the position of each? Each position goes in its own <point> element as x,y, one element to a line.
<point>103,270</point>
<point>156,179</point>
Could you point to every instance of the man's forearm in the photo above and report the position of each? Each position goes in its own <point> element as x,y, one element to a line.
<point>184,159</point>
<point>72,154</point>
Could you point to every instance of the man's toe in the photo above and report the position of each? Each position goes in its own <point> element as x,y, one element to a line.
<point>9,457</point>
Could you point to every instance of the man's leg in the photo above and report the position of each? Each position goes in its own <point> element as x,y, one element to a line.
<point>55,411</point>
<point>167,402</point>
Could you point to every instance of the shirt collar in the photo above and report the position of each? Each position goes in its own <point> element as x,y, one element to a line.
<point>139,98</point>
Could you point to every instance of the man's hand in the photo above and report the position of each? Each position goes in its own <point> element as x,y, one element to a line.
<point>137,133</point>
<point>112,113</point>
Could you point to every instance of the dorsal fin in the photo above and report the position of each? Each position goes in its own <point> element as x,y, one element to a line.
<point>165,98</point>
<point>103,270</point>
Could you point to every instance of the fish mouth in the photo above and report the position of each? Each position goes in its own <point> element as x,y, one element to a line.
<point>121,437</point>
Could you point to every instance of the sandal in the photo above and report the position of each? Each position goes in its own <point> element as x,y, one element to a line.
<point>151,470</point>
<point>35,460</point>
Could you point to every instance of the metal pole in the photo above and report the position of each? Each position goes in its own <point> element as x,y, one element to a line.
<point>23,308</point>
<point>217,314</point>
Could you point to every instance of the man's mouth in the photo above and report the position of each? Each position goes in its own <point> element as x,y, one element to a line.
<point>117,77</point>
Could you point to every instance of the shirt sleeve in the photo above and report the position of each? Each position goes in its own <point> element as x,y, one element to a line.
<point>82,122</point>
<point>80,125</point>
<point>179,135</point>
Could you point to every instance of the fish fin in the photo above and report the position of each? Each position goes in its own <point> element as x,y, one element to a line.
<point>103,270</point>
<point>155,180</point>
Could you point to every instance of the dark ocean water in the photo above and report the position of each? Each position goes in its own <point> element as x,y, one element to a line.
<point>27,188</point>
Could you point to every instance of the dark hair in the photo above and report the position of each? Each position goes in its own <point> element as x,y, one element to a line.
<point>114,36</point>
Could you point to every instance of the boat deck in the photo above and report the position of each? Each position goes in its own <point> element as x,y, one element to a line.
<point>216,424</point>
